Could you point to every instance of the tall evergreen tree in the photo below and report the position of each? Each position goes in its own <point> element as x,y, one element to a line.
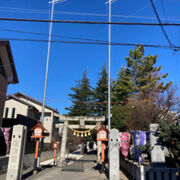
<point>81,98</point>
<point>123,86</point>
<point>140,76</point>
<point>101,93</point>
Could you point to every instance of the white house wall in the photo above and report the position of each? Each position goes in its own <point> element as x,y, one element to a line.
<point>20,108</point>
<point>37,106</point>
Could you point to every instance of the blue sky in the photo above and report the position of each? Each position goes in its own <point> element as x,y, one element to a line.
<point>68,61</point>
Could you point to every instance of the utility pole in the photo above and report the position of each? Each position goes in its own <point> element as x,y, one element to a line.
<point>109,77</point>
<point>109,66</point>
<point>46,75</point>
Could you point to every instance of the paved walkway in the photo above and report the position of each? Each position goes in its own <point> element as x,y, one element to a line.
<point>55,173</point>
<point>50,172</point>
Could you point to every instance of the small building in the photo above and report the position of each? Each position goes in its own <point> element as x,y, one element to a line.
<point>8,73</point>
<point>21,104</point>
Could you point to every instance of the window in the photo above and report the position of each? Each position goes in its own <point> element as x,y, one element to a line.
<point>6,112</point>
<point>2,72</point>
<point>13,113</point>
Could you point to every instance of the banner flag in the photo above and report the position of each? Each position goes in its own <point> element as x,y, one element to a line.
<point>6,134</point>
<point>124,143</point>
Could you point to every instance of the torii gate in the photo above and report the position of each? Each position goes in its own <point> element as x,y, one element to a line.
<point>81,125</point>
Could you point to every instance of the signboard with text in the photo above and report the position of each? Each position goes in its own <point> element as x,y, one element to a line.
<point>102,134</point>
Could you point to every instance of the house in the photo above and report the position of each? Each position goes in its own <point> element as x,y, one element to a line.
<point>8,73</point>
<point>21,104</point>
<point>15,106</point>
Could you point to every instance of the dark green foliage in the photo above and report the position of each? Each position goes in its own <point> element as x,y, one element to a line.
<point>123,86</point>
<point>118,118</point>
<point>82,98</point>
<point>101,93</point>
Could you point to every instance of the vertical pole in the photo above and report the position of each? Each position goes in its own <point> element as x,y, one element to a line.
<point>54,156</point>
<point>102,152</point>
<point>109,84</point>
<point>47,64</point>
<point>109,71</point>
<point>46,78</point>
<point>36,154</point>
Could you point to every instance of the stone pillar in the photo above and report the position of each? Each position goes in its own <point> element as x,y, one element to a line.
<point>114,155</point>
<point>64,141</point>
<point>16,157</point>
<point>157,152</point>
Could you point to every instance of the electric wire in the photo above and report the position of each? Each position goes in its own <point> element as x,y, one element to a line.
<point>90,22</point>
<point>53,35</point>
<point>175,48</point>
<point>22,10</point>
<point>161,24</point>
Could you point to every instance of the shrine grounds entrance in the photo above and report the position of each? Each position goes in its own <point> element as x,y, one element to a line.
<point>79,165</point>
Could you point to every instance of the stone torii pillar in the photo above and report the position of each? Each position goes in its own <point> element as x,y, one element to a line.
<point>64,141</point>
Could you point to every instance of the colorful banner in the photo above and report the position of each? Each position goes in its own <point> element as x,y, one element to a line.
<point>6,134</point>
<point>124,143</point>
<point>139,139</point>
<point>143,138</point>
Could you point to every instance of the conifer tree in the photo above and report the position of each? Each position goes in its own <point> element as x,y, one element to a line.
<point>101,93</point>
<point>81,98</point>
<point>140,76</point>
<point>123,86</point>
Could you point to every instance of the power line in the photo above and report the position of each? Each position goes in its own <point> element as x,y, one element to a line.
<point>161,24</point>
<point>90,22</point>
<point>175,48</point>
<point>23,10</point>
<point>45,34</point>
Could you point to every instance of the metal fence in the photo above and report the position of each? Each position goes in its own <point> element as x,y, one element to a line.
<point>163,174</point>
<point>140,172</point>
<point>4,163</point>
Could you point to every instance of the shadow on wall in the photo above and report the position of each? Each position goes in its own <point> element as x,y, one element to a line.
<point>3,147</point>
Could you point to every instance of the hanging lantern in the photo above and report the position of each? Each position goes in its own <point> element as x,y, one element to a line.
<point>89,133</point>
<point>81,134</point>
<point>85,134</point>
<point>74,133</point>
<point>77,134</point>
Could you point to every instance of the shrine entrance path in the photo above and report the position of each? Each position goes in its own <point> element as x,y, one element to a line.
<point>90,173</point>
<point>55,173</point>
